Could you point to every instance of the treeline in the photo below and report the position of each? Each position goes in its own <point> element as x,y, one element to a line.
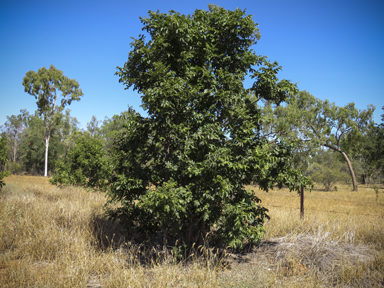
<point>24,137</point>
<point>24,143</point>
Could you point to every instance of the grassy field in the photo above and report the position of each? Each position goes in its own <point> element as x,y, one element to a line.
<point>51,237</point>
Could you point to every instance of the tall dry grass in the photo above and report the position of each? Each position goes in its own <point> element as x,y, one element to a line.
<point>51,237</point>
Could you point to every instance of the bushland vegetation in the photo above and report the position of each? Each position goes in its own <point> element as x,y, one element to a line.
<point>177,182</point>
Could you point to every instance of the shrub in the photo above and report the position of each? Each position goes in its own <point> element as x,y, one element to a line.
<point>85,165</point>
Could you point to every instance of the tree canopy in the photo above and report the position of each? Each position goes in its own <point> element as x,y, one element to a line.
<point>315,123</point>
<point>53,92</point>
<point>181,171</point>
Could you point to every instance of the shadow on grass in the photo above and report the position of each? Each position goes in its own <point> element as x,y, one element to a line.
<point>108,233</point>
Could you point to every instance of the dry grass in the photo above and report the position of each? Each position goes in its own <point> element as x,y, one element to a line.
<point>51,237</point>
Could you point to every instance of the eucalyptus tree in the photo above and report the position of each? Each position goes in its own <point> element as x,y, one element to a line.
<point>62,137</point>
<point>3,159</point>
<point>53,92</point>
<point>93,127</point>
<point>326,169</point>
<point>13,129</point>
<point>182,169</point>
<point>316,123</point>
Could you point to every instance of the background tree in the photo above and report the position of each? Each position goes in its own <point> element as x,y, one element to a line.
<point>53,92</point>
<point>62,136</point>
<point>379,140</point>
<point>371,150</point>
<point>181,171</point>
<point>3,159</point>
<point>13,129</point>
<point>93,127</point>
<point>85,165</point>
<point>111,128</point>
<point>326,169</point>
<point>317,123</point>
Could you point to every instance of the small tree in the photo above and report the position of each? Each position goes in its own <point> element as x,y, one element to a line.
<point>48,86</point>
<point>85,165</point>
<point>326,170</point>
<point>13,128</point>
<point>181,171</point>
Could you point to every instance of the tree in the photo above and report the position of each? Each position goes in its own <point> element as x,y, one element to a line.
<point>379,141</point>
<point>326,169</point>
<point>317,123</point>
<point>48,86</point>
<point>181,171</point>
<point>62,136</point>
<point>372,149</point>
<point>93,127</point>
<point>85,165</point>
<point>111,127</point>
<point>13,129</point>
<point>3,159</point>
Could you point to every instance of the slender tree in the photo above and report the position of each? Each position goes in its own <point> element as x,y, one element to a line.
<point>93,127</point>
<point>3,159</point>
<point>13,129</point>
<point>53,92</point>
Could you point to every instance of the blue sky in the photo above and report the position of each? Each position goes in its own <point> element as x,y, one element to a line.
<point>333,49</point>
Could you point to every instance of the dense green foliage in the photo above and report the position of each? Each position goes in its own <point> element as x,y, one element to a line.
<point>371,150</point>
<point>85,165</point>
<point>181,171</point>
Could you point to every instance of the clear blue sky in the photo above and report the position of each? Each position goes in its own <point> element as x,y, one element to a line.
<point>334,49</point>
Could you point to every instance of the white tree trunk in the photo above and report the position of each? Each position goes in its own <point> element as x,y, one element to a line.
<point>46,155</point>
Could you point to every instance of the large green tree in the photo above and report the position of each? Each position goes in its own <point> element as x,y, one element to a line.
<point>182,169</point>
<point>314,123</point>
<point>53,92</point>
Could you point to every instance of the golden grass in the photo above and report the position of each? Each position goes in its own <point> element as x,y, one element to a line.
<point>51,237</point>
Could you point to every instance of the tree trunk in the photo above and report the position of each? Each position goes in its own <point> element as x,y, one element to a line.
<point>165,241</point>
<point>355,188</point>
<point>348,163</point>
<point>167,151</point>
<point>14,148</point>
<point>200,240</point>
<point>46,155</point>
